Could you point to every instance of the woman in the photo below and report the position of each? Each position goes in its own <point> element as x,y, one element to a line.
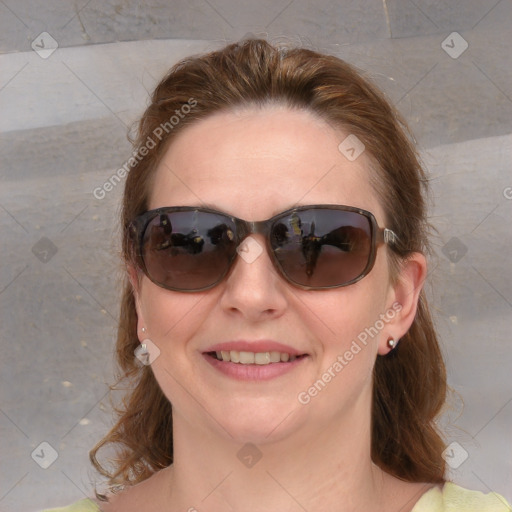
<point>275,241</point>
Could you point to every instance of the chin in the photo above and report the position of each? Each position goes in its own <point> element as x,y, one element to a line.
<point>259,425</point>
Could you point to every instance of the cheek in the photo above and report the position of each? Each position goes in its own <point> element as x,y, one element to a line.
<point>343,315</point>
<point>347,347</point>
<point>348,325</point>
<point>169,315</point>
<point>171,320</point>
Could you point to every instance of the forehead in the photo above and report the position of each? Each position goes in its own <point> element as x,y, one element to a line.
<point>256,162</point>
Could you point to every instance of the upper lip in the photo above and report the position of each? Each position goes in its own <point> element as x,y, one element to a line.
<point>255,346</point>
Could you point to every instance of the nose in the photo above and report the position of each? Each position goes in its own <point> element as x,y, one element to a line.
<point>253,288</point>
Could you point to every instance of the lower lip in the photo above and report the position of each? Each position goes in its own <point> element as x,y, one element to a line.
<point>253,371</point>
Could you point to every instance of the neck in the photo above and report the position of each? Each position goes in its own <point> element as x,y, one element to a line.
<point>327,470</point>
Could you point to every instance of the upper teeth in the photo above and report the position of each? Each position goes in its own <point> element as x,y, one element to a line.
<point>253,357</point>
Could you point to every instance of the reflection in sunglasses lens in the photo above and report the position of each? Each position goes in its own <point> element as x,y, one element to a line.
<point>315,247</point>
<point>188,250</point>
<point>321,248</point>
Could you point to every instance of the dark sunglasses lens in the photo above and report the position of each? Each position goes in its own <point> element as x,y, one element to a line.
<point>188,250</point>
<point>321,247</point>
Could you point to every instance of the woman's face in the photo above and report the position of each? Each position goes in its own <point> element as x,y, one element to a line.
<point>253,165</point>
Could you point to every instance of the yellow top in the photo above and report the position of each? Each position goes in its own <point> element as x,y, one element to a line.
<point>451,498</point>
<point>80,506</point>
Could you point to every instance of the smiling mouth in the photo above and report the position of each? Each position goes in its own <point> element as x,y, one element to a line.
<point>256,358</point>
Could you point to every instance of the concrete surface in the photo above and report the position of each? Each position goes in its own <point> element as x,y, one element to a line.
<point>63,133</point>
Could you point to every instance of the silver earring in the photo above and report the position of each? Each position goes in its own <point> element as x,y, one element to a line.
<point>391,343</point>
<point>143,329</point>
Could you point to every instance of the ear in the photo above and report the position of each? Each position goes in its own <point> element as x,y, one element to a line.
<point>403,299</point>
<point>134,278</point>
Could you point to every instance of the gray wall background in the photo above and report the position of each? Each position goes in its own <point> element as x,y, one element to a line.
<point>64,118</point>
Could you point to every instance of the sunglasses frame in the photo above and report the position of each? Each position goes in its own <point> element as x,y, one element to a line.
<point>137,229</point>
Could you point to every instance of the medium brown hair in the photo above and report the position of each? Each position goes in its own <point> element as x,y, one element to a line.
<point>409,385</point>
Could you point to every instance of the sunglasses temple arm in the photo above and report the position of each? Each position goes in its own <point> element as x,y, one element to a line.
<point>387,236</point>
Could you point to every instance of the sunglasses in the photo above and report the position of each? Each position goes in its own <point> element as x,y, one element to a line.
<point>191,249</point>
